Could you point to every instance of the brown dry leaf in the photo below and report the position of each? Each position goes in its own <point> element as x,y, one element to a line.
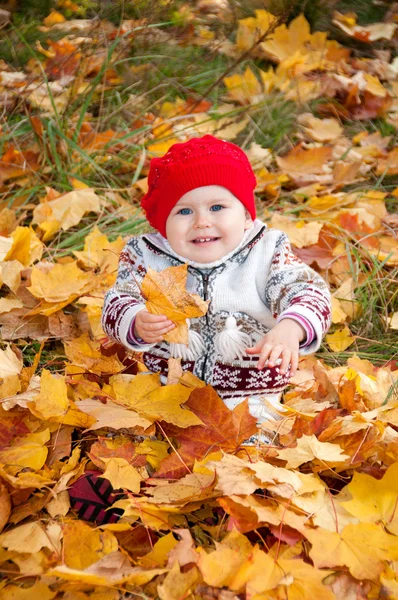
<point>165,294</point>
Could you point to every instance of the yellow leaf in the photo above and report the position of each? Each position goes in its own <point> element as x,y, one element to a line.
<point>10,274</point>
<point>60,283</point>
<point>219,568</point>
<point>393,321</point>
<point>158,555</point>
<point>176,585</point>
<point>53,18</point>
<point>27,452</point>
<point>193,486</point>
<point>86,353</point>
<point>165,294</point>
<point>100,252</point>
<point>9,303</point>
<point>121,474</point>
<point>338,314</point>
<point>67,210</point>
<point>10,369</point>
<point>309,447</point>
<point>52,401</point>
<point>374,500</point>
<point>30,536</point>
<point>361,547</point>
<point>244,88</point>
<point>37,590</point>
<point>340,340</point>
<point>111,415</point>
<point>154,451</point>
<point>26,246</point>
<point>93,544</point>
<point>143,394</point>
<point>5,246</point>
<point>320,130</point>
<point>300,234</point>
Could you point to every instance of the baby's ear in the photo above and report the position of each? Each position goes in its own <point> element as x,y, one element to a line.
<point>248,220</point>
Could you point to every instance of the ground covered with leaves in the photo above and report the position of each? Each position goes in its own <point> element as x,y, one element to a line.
<point>87,99</point>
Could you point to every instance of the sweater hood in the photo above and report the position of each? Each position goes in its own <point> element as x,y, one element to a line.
<point>245,245</point>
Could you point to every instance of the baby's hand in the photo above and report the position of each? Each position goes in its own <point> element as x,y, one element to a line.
<point>281,342</point>
<point>151,328</point>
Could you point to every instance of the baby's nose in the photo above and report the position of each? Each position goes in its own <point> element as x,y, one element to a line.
<point>202,221</point>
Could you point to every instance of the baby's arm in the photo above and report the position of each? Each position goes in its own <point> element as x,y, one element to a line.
<point>299,300</point>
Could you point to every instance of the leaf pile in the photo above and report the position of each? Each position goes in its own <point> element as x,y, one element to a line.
<point>313,515</point>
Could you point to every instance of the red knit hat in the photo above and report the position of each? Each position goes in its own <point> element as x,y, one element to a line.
<point>196,163</point>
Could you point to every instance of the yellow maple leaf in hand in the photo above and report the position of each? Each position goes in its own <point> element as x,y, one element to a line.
<point>165,294</point>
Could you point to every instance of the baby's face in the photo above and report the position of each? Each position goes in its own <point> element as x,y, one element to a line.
<point>206,224</point>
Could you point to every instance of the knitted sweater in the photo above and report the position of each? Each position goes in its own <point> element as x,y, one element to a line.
<point>256,285</point>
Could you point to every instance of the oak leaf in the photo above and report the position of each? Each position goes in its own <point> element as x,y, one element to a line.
<point>165,294</point>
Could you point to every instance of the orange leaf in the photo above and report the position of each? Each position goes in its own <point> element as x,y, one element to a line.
<point>165,294</point>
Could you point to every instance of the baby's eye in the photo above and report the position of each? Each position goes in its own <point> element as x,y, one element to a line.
<point>216,207</point>
<point>184,211</point>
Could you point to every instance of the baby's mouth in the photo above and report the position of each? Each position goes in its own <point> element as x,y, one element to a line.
<point>205,240</point>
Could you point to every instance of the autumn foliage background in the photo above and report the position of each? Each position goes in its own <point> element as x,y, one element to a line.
<point>89,92</point>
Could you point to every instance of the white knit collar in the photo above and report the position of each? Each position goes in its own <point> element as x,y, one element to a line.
<point>162,243</point>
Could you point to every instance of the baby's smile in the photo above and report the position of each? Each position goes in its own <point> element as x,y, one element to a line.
<point>205,241</point>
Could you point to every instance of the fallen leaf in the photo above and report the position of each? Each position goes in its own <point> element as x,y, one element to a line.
<point>165,294</point>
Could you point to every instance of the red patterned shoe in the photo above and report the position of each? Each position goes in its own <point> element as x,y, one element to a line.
<point>91,496</point>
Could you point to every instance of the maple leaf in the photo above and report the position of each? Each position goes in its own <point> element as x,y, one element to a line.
<point>374,501</point>
<point>66,211</point>
<point>308,448</point>
<point>165,294</point>
<point>361,547</point>
<point>223,429</point>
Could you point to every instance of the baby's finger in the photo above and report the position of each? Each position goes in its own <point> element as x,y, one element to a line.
<point>276,352</point>
<point>293,363</point>
<point>158,328</point>
<point>150,318</point>
<point>267,348</point>
<point>286,358</point>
